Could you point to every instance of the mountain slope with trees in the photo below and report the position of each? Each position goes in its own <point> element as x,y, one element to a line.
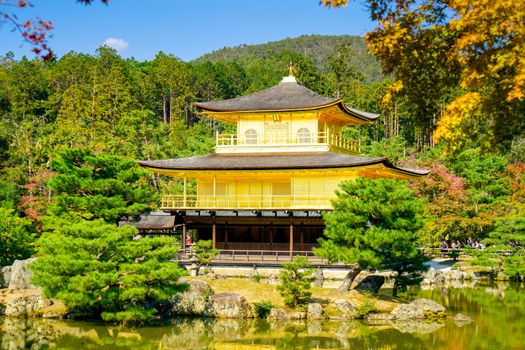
<point>316,47</point>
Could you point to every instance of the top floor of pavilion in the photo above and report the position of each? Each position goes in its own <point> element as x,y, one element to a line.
<point>287,117</point>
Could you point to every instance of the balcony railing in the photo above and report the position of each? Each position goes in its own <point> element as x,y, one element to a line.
<point>246,202</point>
<point>298,139</point>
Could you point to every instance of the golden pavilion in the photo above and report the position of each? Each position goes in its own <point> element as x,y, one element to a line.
<point>266,186</point>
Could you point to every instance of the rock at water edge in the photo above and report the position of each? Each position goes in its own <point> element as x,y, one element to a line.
<point>407,312</point>
<point>192,302</point>
<point>281,314</point>
<point>26,305</point>
<point>228,305</point>
<point>345,307</point>
<point>429,306</point>
<point>314,311</point>
<point>460,318</point>
<point>419,309</point>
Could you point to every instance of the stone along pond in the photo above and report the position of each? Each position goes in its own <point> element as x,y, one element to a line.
<point>498,313</point>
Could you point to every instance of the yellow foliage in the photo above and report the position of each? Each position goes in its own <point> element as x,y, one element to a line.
<point>491,45</point>
<point>459,113</point>
<point>334,3</point>
<point>395,88</point>
<point>478,46</point>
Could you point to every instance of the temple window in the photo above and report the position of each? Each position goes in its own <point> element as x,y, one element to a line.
<point>250,137</point>
<point>304,136</point>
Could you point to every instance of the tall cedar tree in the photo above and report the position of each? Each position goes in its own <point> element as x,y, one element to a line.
<point>374,225</point>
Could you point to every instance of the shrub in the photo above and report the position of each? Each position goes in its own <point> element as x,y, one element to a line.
<point>368,306</point>
<point>205,253</point>
<point>295,281</point>
<point>262,308</point>
<point>257,278</point>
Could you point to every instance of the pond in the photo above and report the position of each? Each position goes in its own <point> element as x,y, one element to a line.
<point>498,312</point>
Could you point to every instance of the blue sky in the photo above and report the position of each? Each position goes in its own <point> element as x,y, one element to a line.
<point>185,28</point>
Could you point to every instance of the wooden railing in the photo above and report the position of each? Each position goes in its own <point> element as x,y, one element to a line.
<point>265,246</point>
<point>289,139</point>
<point>346,144</point>
<point>245,202</point>
<point>260,255</point>
<point>455,252</point>
<point>256,255</point>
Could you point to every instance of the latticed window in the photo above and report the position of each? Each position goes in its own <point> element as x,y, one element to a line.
<point>304,136</point>
<point>250,137</point>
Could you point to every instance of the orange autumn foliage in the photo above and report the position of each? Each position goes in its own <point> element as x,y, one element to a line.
<point>479,42</point>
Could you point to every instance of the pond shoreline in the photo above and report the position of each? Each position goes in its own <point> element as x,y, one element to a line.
<point>499,323</point>
<point>218,296</point>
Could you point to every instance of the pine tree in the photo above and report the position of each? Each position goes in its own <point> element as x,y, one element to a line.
<point>374,225</point>
<point>16,240</point>
<point>101,269</point>
<point>295,281</point>
<point>89,262</point>
<point>93,187</point>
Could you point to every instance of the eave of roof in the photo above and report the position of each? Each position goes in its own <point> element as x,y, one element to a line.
<point>152,221</point>
<point>273,161</point>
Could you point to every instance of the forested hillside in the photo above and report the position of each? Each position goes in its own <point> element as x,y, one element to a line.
<point>317,47</point>
<point>143,110</point>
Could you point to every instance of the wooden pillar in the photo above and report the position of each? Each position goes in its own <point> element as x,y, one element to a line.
<point>214,193</point>
<point>184,236</point>
<point>291,237</point>
<point>185,196</point>
<point>301,232</point>
<point>271,236</point>
<point>214,233</point>
<point>225,236</point>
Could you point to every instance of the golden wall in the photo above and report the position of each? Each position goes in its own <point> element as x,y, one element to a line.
<point>284,192</point>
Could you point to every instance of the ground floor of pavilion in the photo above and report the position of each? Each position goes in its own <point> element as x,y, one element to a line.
<point>254,230</point>
<point>250,232</point>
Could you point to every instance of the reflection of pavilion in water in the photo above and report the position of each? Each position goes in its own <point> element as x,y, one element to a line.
<point>266,186</point>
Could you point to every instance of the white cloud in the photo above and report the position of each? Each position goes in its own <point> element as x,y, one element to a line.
<point>116,43</point>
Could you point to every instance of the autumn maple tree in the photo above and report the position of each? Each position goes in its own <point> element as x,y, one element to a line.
<point>36,30</point>
<point>460,63</point>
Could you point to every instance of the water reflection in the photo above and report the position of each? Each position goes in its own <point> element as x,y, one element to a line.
<point>498,313</point>
<point>208,334</point>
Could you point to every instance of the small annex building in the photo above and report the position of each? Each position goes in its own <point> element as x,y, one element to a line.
<point>267,185</point>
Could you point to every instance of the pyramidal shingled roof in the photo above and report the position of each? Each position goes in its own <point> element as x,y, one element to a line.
<point>287,95</point>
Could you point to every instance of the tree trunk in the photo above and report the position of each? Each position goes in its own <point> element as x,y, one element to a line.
<point>154,180</point>
<point>395,287</point>
<point>349,279</point>
<point>171,107</point>
<point>164,110</point>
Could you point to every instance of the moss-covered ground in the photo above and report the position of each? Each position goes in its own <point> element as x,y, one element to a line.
<point>255,291</point>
